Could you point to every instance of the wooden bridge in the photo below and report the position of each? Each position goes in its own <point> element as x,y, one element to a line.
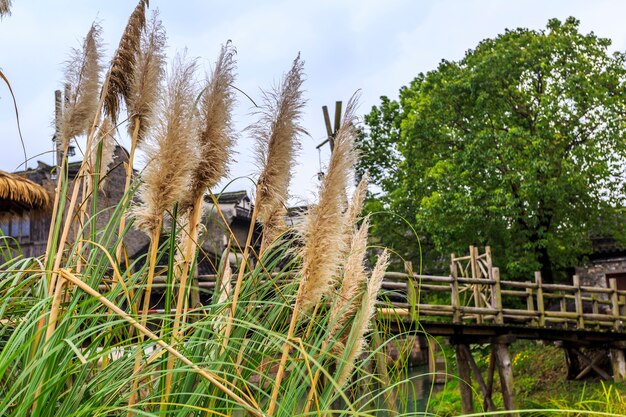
<point>473,305</point>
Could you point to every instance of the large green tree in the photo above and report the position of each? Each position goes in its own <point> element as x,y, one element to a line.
<point>520,145</point>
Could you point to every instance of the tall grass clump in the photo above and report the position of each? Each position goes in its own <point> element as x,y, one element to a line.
<point>286,330</point>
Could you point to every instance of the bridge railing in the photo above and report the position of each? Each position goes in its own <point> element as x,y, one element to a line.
<point>531,303</point>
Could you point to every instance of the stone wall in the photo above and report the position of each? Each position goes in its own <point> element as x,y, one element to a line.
<point>594,274</point>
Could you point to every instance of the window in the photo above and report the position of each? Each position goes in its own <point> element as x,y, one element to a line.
<point>620,277</point>
<point>5,224</point>
<point>24,226</point>
<point>15,225</point>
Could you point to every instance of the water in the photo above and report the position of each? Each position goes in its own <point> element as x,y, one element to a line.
<point>419,390</point>
<point>413,394</point>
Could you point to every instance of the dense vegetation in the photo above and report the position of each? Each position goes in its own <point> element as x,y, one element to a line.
<point>540,385</point>
<point>284,332</point>
<point>520,145</point>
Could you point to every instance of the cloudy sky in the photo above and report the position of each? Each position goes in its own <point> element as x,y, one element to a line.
<point>347,45</point>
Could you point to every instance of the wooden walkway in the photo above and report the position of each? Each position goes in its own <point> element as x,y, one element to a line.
<point>473,305</point>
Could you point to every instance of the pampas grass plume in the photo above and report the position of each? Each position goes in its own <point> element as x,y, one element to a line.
<point>324,231</point>
<point>123,63</point>
<point>147,78</point>
<point>5,8</point>
<point>354,280</point>
<point>172,155</point>
<point>276,134</point>
<point>365,317</point>
<point>358,198</point>
<point>216,132</point>
<point>83,76</point>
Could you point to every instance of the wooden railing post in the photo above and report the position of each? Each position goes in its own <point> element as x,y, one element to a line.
<point>530,304</point>
<point>490,271</point>
<point>497,292</point>
<point>476,288</point>
<point>578,302</point>
<point>540,306</point>
<point>594,303</point>
<point>615,304</point>
<point>455,300</point>
<point>412,294</point>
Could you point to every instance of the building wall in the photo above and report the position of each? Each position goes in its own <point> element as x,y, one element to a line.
<point>108,198</point>
<point>595,274</point>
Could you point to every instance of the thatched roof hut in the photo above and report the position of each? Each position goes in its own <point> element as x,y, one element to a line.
<point>18,193</point>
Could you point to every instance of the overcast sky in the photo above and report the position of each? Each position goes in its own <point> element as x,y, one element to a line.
<point>347,45</point>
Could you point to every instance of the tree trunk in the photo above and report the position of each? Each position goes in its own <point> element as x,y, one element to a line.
<point>546,265</point>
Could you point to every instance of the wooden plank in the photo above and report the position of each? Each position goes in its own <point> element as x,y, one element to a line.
<point>511,312</point>
<point>337,116</point>
<point>472,281</point>
<point>401,276</point>
<point>329,130</point>
<point>530,303</point>
<point>478,310</point>
<point>559,287</point>
<point>518,284</point>
<point>516,293</point>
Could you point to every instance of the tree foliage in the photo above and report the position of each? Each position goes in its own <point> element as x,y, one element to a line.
<point>520,145</point>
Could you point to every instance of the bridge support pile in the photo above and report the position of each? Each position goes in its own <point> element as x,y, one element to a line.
<point>500,360</point>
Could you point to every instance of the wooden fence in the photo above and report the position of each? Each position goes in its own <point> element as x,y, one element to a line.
<point>501,302</point>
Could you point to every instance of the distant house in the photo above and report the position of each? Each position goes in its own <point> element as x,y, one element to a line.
<point>231,217</point>
<point>24,209</point>
<point>26,200</point>
<point>35,220</point>
<point>607,260</point>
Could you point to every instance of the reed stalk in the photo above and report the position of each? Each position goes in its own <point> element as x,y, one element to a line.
<point>323,238</point>
<point>152,259</point>
<point>182,298</point>
<point>276,134</point>
<point>239,282</point>
<point>126,196</point>
<point>248,403</point>
<point>52,319</point>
